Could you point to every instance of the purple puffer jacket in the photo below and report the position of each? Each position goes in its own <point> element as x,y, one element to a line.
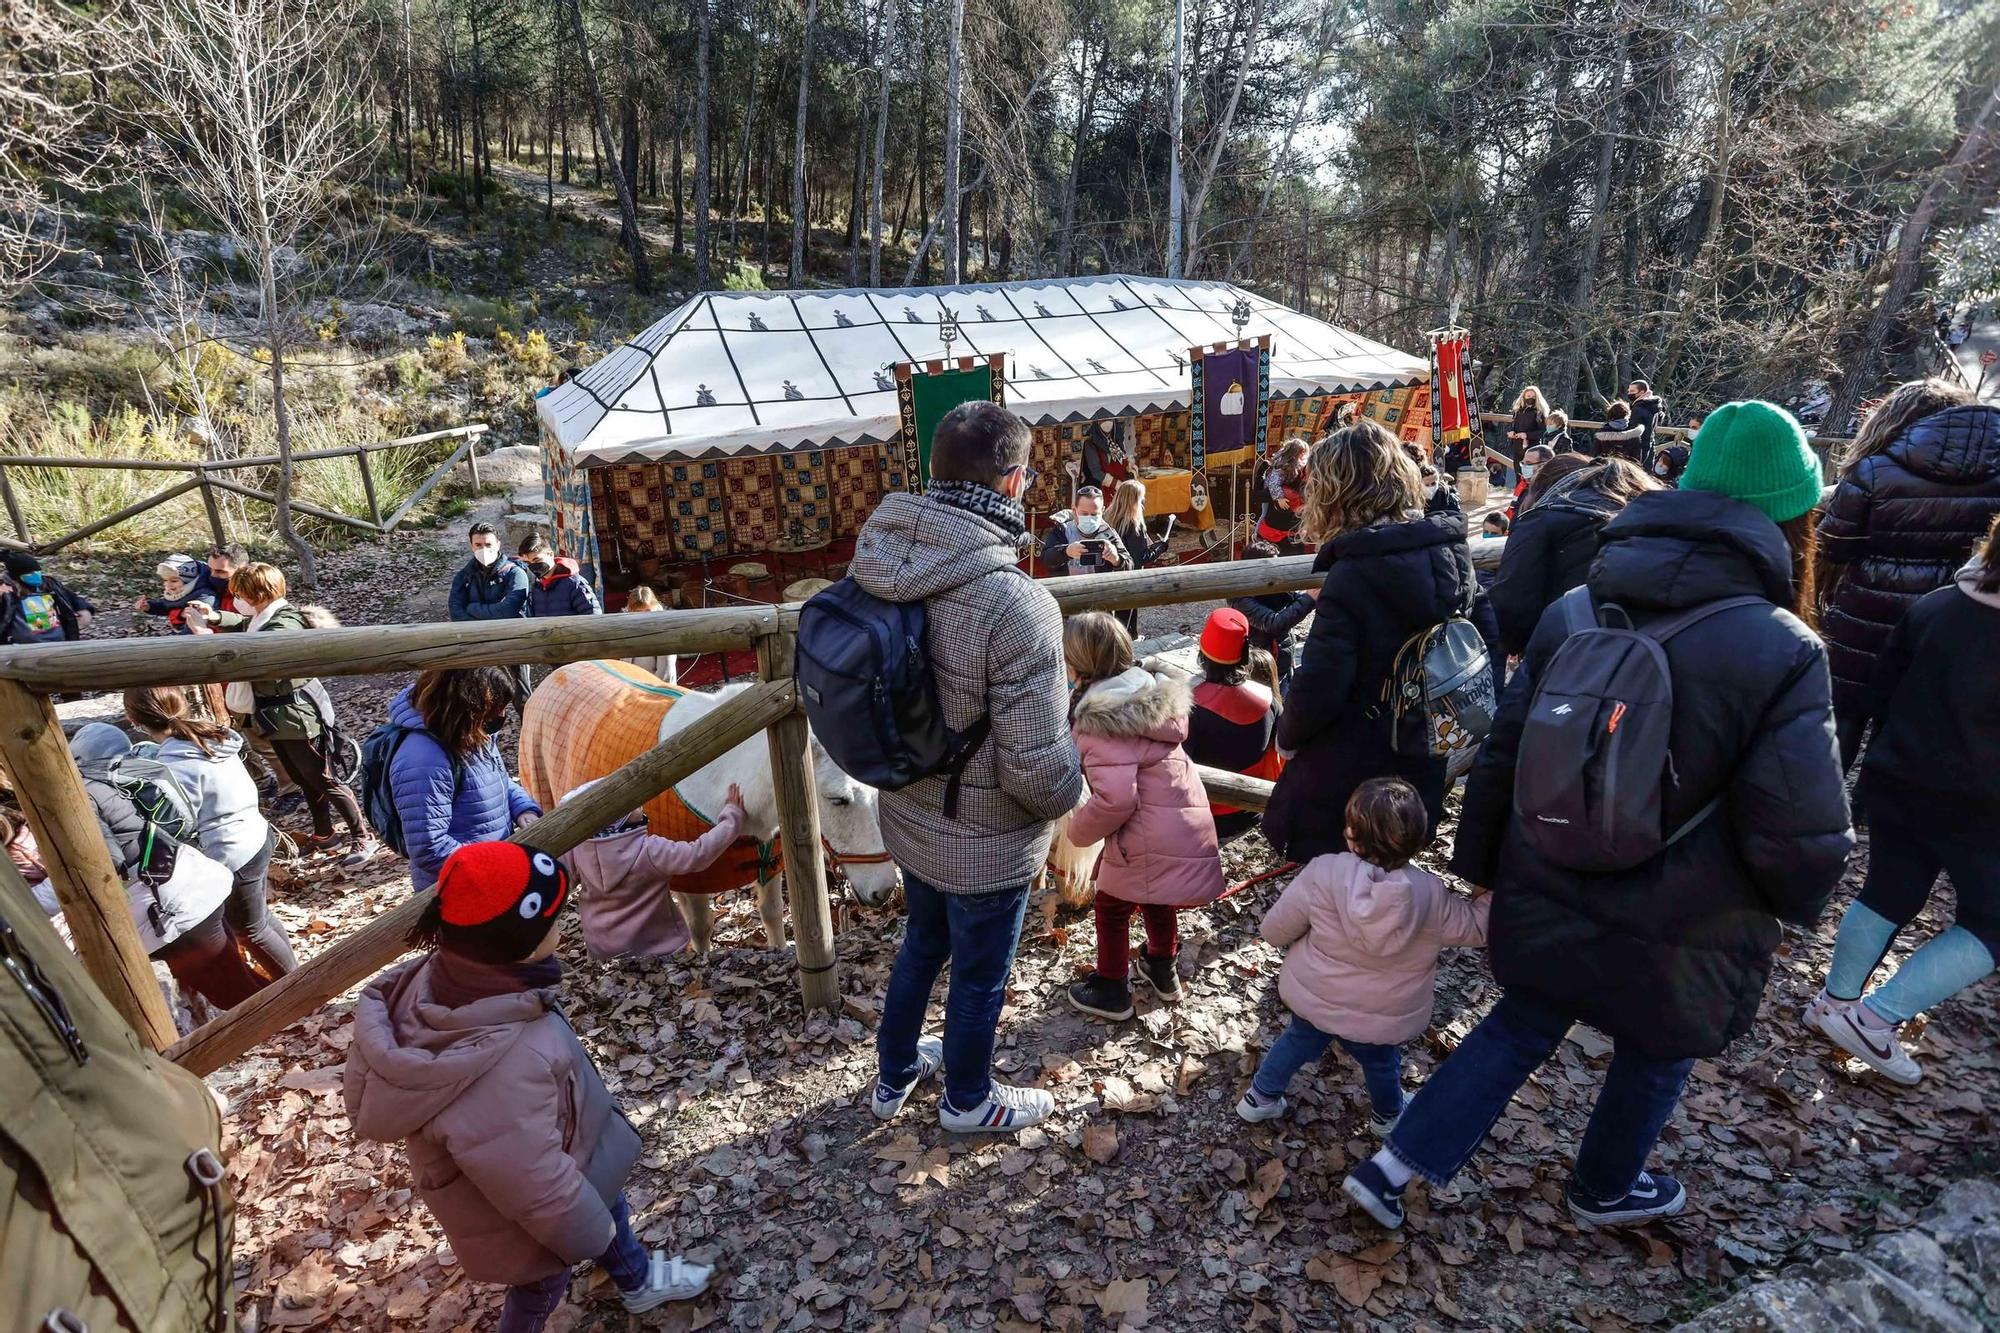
<point>1146,803</point>
<point>514,1142</point>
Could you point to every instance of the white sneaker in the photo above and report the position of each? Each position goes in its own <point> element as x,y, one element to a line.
<point>1006,1109</point>
<point>1380,1127</point>
<point>889,1098</point>
<point>1875,1047</point>
<point>1255,1107</point>
<point>668,1278</point>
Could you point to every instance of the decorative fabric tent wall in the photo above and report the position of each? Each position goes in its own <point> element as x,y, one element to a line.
<point>744,416</point>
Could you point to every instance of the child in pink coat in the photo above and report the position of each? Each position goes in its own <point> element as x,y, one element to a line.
<point>1146,805</point>
<point>626,873</point>
<point>1362,930</point>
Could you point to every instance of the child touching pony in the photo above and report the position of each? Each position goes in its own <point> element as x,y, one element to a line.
<point>514,1142</point>
<point>1146,806</point>
<point>626,874</point>
<point>1361,932</point>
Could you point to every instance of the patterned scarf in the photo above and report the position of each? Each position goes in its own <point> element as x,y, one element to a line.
<point>985,502</point>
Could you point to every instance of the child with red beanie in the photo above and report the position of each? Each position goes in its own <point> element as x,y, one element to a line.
<point>513,1140</point>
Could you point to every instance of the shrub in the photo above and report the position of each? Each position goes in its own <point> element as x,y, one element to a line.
<point>446,355</point>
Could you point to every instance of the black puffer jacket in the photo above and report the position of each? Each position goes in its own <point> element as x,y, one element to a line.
<point>1548,553</point>
<point>1900,524</point>
<point>1672,956</point>
<point>1383,584</point>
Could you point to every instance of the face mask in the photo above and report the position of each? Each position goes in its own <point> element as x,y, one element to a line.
<point>495,726</point>
<point>1087,524</point>
<point>542,567</point>
<point>1528,469</point>
<point>33,580</point>
<point>486,555</point>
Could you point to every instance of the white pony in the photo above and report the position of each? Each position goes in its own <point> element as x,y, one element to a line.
<point>847,818</point>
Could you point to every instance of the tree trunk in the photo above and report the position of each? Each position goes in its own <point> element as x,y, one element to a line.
<point>274,343</point>
<point>1086,107</point>
<point>882,84</point>
<point>1860,380</point>
<point>800,221</point>
<point>642,275</point>
<point>743,157</point>
<point>703,24</point>
<point>409,81</point>
<point>1199,199</point>
<point>680,214</point>
<point>954,131</point>
<point>626,160</point>
<point>1176,127</point>
<point>1562,380</point>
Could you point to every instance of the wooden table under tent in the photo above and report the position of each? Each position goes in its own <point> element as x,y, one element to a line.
<point>733,449</point>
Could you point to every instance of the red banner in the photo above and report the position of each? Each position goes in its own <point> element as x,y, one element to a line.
<point>1452,355</point>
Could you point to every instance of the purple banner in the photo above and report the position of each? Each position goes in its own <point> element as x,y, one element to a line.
<point>1229,399</point>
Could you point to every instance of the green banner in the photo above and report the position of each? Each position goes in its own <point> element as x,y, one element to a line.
<point>925,401</point>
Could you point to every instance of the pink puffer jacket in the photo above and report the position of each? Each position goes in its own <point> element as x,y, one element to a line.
<point>625,907</point>
<point>1362,944</point>
<point>1146,804</point>
<point>513,1140</point>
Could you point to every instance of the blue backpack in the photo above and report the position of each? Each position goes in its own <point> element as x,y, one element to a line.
<point>870,695</point>
<point>378,797</point>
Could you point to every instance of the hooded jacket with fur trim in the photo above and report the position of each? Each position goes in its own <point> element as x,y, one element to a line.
<point>1146,803</point>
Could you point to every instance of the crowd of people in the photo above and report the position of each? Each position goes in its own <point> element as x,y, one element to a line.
<point>1789,634</point>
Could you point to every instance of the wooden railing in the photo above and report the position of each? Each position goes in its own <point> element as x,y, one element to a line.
<point>93,895</point>
<point>206,476</point>
<point>1823,443</point>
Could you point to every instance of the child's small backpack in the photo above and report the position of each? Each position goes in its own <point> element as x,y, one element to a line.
<point>1593,762</point>
<point>865,676</point>
<point>29,616</point>
<point>1438,696</point>
<point>378,796</point>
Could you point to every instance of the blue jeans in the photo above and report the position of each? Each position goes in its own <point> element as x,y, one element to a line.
<point>528,1307</point>
<point>977,933</point>
<point>1302,1043</point>
<point>1448,1119</point>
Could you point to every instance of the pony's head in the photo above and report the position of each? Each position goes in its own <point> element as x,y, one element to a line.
<point>848,813</point>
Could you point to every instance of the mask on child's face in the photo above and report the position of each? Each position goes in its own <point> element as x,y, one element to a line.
<point>1088,524</point>
<point>32,580</point>
<point>542,568</point>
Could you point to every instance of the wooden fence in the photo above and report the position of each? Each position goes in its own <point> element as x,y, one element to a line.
<point>208,477</point>
<point>93,894</point>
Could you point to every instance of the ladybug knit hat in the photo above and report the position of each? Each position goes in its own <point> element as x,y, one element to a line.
<point>498,901</point>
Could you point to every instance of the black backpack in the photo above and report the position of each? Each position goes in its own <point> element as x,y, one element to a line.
<point>1593,763</point>
<point>865,676</point>
<point>378,797</point>
<point>158,796</point>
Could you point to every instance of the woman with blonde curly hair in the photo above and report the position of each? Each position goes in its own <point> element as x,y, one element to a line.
<point>1391,571</point>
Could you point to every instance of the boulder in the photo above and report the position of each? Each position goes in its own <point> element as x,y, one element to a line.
<point>1790,1304</point>
<point>513,468</point>
<point>517,527</point>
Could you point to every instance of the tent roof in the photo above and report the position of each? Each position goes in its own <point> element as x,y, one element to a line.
<point>733,373</point>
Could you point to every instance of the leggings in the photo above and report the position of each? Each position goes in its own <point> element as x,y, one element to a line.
<point>306,765</point>
<point>205,960</point>
<point>1903,865</point>
<point>1114,933</point>
<point>251,922</point>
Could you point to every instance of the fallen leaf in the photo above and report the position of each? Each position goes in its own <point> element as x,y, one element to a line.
<point>1270,1179</point>
<point>1125,1298</point>
<point>1514,1239</point>
<point>1353,1280</point>
<point>1100,1141</point>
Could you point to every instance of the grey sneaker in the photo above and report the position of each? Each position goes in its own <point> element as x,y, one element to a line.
<point>889,1098</point>
<point>668,1278</point>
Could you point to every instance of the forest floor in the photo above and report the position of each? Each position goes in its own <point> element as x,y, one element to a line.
<point>1144,1203</point>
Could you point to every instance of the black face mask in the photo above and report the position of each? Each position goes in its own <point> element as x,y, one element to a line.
<point>495,726</point>
<point>542,568</point>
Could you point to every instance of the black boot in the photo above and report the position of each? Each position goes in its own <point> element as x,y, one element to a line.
<point>1159,973</point>
<point>1102,997</point>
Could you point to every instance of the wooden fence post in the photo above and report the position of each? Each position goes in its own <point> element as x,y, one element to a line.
<point>798,829</point>
<point>214,511</point>
<point>368,486</point>
<point>87,884</point>
<point>472,464</point>
<point>14,509</point>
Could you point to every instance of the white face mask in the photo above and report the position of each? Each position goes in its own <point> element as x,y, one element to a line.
<point>1528,469</point>
<point>1087,524</point>
<point>486,555</point>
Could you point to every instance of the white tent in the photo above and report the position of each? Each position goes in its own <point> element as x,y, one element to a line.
<point>735,373</point>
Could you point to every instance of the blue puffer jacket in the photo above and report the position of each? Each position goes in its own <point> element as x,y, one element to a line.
<point>443,808</point>
<point>498,591</point>
<point>563,593</point>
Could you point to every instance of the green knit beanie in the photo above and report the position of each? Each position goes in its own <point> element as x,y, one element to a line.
<point>1755,452</point>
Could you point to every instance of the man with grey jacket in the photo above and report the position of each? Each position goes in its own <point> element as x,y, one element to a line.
<point>995,645</point>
